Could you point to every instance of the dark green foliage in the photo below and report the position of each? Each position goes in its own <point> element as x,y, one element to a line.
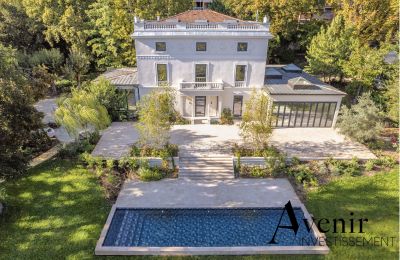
<point>17,29</point>
<point>226,117</point>
<point>18,123</point>
<point>52,59</point>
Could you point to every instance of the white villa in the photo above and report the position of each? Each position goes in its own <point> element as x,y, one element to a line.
<point>214,61</point>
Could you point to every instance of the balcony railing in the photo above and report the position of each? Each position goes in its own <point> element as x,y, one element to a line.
<point>240,84</point>
<point>201,86</point>
<point>196,26</point>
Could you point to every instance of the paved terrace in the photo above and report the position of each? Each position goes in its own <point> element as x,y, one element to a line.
<point>200,140</point>
<point>183,193</point>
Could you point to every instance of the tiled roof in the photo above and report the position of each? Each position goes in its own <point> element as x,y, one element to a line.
<point>121,77</point>
<point>208,15</point>
<point>277,86</point>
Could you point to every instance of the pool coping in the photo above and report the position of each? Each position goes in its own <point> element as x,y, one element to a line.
<point>244,250</point>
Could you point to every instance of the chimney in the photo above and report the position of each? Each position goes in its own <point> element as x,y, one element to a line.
<point>257,16</point>
<point>135,19</point>
<point>265,19</point>
<point>158,18</point>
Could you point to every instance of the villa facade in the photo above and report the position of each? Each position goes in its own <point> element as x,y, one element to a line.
<point>214,61</point>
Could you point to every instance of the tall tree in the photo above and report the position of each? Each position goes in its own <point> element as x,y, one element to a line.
<point>373,20</point>
<point>77,65</point>
<point>18,118</point>
<point>111,26</point>
<point>63,20</point>
<point>17,29</point>
<point>330,49</point>
<point>364,66</point>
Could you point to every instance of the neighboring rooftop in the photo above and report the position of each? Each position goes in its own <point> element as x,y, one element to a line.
<point>294,81</point>
<point>121,77</point>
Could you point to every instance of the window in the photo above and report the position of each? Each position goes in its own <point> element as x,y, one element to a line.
<point>307,114</point>
<point>240,73</point>
<point>237,106</point>
<point>161,46</point>
<point>201,46</point>
<point>201,72</point>
<point>242,46</point>
<point>162,73</point>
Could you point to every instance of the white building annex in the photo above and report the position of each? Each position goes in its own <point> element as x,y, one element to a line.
<point>214,61</point>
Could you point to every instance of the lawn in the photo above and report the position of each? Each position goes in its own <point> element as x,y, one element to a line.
<point>58,210</point>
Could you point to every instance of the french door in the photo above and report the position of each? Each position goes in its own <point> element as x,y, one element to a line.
<point>200,106</point>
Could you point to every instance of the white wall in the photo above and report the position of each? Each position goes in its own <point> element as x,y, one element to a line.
<point>221,55</point>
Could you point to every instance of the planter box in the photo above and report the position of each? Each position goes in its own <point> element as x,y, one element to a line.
<point>157,161</point>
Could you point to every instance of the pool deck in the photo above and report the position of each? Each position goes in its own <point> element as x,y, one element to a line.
<point>184,193</point>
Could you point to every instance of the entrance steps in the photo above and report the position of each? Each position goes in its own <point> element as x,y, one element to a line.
<point>206,168</point>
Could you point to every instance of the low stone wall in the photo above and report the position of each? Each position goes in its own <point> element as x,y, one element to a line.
<point>157,161</point>
<point>256,161</point>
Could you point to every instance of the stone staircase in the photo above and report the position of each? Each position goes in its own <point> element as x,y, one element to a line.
<point>206,167</point>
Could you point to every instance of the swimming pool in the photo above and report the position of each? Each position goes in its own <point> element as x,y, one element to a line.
<point>221,227</point>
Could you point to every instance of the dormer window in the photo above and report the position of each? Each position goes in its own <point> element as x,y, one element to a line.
<point>201,46</point>
<point>161,46</point>
<point>242,46</point>
<point>300,83</point>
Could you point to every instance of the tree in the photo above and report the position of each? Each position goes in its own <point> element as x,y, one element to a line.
<point>77,65</point>
<point>361,122</point>
<point>364,66</point>
<point>18,119</point>
<point>392,96</point>
<point>373,20</point>
<point>64,21</point>
<point>155,113</point>
<point>330,49</point>
<point>17,29</point>
<point>108,96</point>
<point>46,66</point>
<point>81,112</point>
<point>256,125</point>
<point>111,26</point>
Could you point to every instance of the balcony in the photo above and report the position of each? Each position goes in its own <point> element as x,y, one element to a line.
<point>201,86</point>
<point>240,84</point>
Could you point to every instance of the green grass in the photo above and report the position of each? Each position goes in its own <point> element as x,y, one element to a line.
<point>58,210</point>
<point>372,197</point>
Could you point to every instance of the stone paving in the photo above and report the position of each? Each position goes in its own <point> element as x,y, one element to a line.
<point>116,140</point>
<point>185,193</point>
<point>318,143</point>
<point>47,107</point>
<point>207,140</point>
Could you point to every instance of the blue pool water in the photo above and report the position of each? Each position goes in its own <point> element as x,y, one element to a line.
<point>204,228</point>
